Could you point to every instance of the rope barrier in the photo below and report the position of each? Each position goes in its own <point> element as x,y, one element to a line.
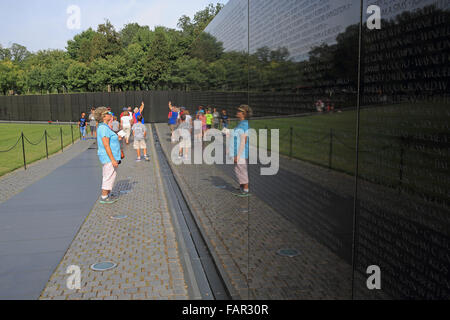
<point>2,151</point>
<point>342,143</point>
<point>34,144</point>
<point>53,139</point>
<point>315,141</point>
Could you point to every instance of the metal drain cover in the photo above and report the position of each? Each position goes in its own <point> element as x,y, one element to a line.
<point>291,253</point>
<point>119,217</point>
<point>103,266</point>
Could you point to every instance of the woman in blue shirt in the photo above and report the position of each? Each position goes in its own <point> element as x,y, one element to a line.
<point>109,153</point>
<point>240,149</point>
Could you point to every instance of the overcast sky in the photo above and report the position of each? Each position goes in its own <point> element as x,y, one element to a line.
<point>42,24</point>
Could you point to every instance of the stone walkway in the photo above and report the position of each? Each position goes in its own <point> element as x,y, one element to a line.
<point>144,245</point>
<point>245,234</point>
<point>14,182</point>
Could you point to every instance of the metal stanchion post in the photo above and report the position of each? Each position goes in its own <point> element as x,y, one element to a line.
<point>290,142</point>
<point>71,130</point>
<point>330,163</point>
<point>62,146</point>
<point>23,152</point>
<point>46,144</point>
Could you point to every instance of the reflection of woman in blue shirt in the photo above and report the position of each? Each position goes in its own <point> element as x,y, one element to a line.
<point>240,149</point>
<point>109,153</point>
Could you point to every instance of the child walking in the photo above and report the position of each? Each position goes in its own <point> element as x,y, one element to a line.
<point>139,134</point>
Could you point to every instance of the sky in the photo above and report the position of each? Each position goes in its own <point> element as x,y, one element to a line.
<point>42,24</point>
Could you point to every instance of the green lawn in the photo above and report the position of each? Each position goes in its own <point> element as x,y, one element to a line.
<point>11,133</point>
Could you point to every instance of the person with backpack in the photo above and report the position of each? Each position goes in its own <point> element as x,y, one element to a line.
<point>93,124</point>
<point>216,119</point>
<point>139,134</point>
<point>224,119</point>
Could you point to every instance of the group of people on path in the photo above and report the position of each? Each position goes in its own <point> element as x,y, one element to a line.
<point>111,133</point>
<point>209,118</point>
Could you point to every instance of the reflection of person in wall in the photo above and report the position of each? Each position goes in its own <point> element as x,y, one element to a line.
<point>173,117</point>
<point>239,149</point>
<point>224,119</point>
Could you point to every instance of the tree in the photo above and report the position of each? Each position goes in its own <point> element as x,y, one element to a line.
<point>134,59</point>
<point>106,41</point>
<point>5,53</point>
<point>19,53</point>
<point>78,76</point>
<point>157,60</point>
<point>207,48</point>
<point>194,27</point>
<point>80,48</point>
<point>8,76</point>
<point>129,32</point>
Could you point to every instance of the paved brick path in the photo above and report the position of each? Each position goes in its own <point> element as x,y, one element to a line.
<point>144,246</point>
<point>14,182</point>
<point>244,235</point>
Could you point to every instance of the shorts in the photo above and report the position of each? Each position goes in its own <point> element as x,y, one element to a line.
<point>127,131</point>
<point>185,143</point>
<point>204,128</point>
<point>109,176</point>
<point>139,144</point>
<point>208,126</point>
<point>241,171</point>
<point>93,128</point>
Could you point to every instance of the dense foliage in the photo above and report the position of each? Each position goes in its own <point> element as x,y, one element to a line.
<point>106,59</point>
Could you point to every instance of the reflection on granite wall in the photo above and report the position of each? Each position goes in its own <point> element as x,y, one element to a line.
<point>307,51</point>
<point>404,226</point>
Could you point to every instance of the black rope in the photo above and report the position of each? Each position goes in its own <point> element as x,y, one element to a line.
<point>51,137</point>
<point>303,139</point>
<point>2,151</point>
<point>35,144</point>
<point>342,143</point>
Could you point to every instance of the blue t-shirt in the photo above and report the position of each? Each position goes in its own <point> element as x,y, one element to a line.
<point>83,122</point>
<point>136,115</point>
<point>102,132</point>
<point>242,128</point>
<point>173,118</point>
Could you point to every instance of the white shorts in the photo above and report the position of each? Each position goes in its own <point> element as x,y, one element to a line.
<point>139,144</point>
<point>241,172</point>
<point>127,131</point>
<point>185,143</point>
<point>109,176</point>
